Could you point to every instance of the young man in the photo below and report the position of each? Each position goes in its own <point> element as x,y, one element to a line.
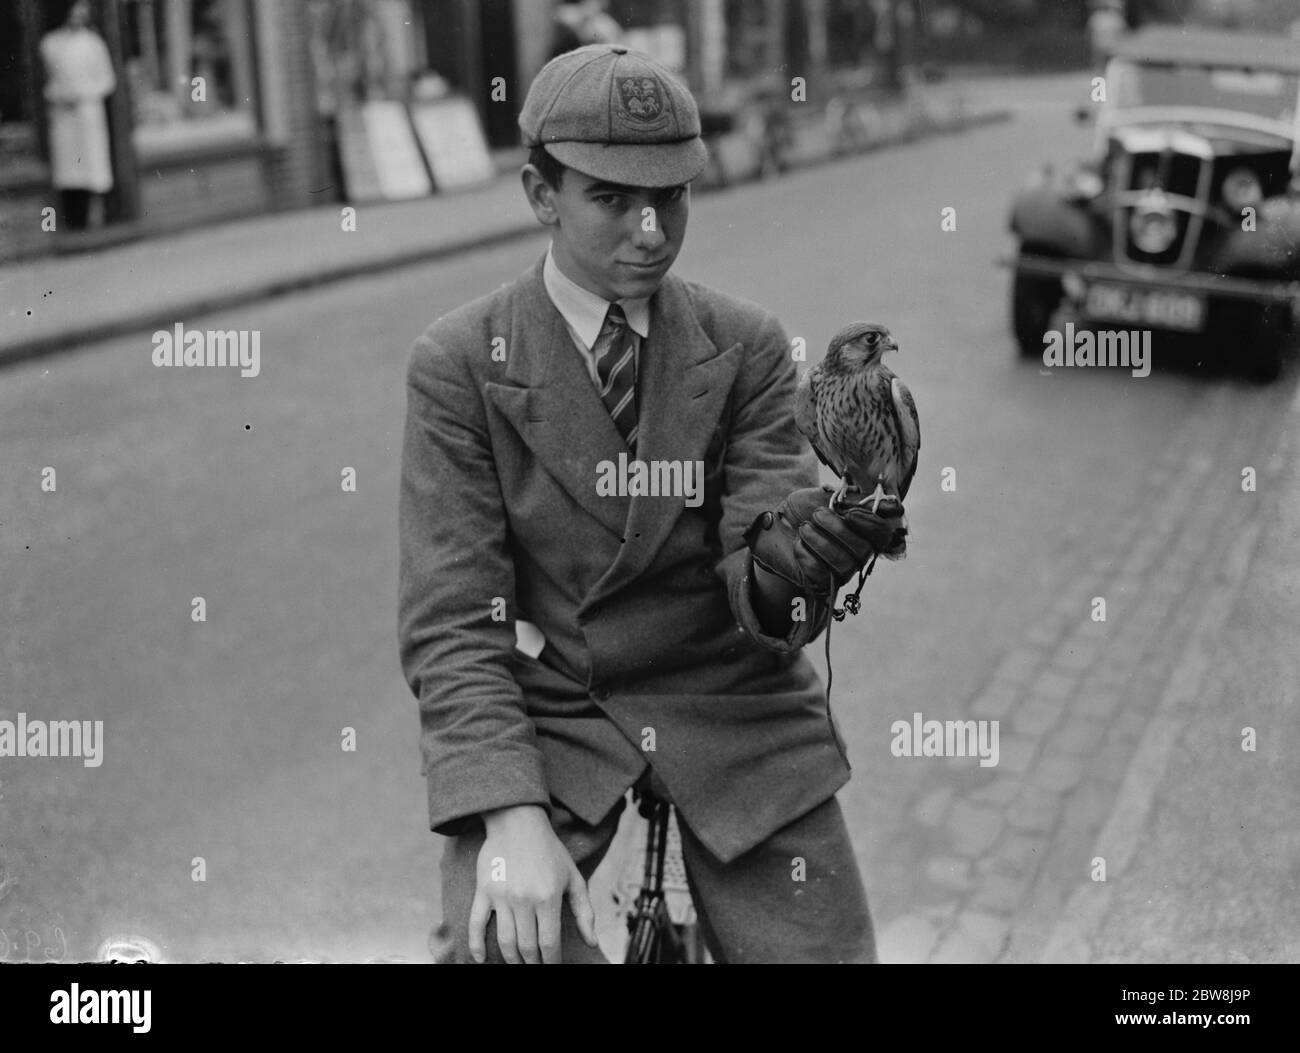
<point>571,630</point>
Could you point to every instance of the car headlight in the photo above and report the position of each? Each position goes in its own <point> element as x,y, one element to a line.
<point>1153,225</point>
<point>1241,189</point>
<point>1086,184</point>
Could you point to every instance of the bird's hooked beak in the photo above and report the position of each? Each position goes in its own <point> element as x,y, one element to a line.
<point>890,345</point>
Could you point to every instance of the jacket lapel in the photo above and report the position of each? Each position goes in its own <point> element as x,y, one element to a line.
<point>551,402</point>
<point>549,399</point>
<point>683,384</point>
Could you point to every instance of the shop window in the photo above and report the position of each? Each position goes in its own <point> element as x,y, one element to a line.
<point>190,67</point>
<point>363,50</point>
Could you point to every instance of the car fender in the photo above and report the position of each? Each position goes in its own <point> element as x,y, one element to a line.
<point>1272,247</point>
<point>1041,219</point>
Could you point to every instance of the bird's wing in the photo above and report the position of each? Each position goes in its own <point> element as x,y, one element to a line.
<point>805,413</point>
<point>908,424</point>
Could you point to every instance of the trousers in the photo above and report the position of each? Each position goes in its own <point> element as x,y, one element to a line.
<point>796,898</point>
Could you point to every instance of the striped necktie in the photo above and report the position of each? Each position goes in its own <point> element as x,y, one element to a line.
<point>615,350</point>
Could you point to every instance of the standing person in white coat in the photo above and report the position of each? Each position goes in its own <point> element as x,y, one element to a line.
<point>1106,24</point>
<point>78,78</point>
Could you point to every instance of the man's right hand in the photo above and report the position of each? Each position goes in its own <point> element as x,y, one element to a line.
<point>524,872</point>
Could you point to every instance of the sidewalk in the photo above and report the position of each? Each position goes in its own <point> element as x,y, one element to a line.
<point>56,303</point>
<point>1143,808</point>
<point>1203,850</point>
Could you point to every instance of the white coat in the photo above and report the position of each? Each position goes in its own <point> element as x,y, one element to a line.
<point>78,77</point>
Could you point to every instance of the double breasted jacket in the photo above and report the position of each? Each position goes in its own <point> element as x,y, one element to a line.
<point>653,651</point>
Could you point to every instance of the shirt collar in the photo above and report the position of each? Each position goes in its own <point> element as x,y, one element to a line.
<point>584,310</point>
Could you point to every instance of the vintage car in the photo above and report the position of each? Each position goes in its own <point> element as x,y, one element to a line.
<point>1186,219</point>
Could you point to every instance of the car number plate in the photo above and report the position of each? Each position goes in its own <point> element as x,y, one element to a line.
<point>1161,308</point>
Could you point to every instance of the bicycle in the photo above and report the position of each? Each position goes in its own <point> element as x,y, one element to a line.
<point>663,928</point>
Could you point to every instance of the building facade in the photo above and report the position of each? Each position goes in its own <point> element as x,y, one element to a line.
<point>228,108</point>
<point>213,116</point>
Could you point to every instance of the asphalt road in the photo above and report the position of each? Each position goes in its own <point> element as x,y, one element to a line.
<point>223,738</point>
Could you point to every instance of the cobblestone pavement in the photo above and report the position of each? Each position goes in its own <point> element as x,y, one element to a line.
<point>1089,712</point>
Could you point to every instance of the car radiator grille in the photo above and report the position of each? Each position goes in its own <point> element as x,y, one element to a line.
<point>1178,175</point>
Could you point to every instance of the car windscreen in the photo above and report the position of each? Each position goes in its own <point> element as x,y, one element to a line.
<point>1263,93</point>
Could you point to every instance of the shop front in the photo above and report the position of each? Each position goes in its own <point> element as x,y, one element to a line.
<point>211,115</point>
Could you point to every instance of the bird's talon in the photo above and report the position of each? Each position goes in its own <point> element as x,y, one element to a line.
<point>838,496</point>
<point>875,497</point>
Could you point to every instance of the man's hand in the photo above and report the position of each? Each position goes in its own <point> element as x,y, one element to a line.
<point>817,550</point>
<point>524,873</point>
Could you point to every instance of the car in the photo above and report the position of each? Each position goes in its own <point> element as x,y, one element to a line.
<point>1186,217</point>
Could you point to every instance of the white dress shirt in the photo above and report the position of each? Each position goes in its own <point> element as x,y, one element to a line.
<point>584,314</point>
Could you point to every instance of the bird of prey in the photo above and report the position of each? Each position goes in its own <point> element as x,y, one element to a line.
<point>859,417</point>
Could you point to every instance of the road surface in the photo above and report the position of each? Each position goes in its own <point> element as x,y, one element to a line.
<point>223,747</point>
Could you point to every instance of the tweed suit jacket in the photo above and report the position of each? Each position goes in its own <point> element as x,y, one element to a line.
<point>653,650</point>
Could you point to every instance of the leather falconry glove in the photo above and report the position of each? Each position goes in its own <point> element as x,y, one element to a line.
<point>817,550</point>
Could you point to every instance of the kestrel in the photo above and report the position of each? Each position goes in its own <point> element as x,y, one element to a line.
<point>859,417</point>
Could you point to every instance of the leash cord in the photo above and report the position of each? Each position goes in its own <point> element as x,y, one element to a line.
<point>852,604</point>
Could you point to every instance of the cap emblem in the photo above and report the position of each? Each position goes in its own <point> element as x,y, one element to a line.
<point>640,102</point>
